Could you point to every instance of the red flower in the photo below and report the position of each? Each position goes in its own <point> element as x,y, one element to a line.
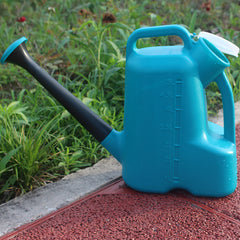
<point>21,19</point>
<point>206,6</point>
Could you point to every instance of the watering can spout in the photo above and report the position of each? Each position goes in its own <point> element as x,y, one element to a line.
<point>17,54</point>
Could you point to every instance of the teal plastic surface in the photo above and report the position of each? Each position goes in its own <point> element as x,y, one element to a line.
<point>167,141</point>
<point>11,48</point>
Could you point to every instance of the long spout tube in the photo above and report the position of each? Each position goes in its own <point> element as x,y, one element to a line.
<point>18,54</point>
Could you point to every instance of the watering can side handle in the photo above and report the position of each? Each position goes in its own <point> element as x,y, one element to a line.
<point>158,31</point>
<point>228,106</point>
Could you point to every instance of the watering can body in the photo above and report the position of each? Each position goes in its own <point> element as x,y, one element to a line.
<point>167,141</point>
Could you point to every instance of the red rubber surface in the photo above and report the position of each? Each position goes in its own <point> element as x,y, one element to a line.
<point>117,212</point>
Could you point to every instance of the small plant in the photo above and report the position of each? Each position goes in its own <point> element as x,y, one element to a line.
<point>27,149</point>
<point>6,183</point>
<point>70,161</point>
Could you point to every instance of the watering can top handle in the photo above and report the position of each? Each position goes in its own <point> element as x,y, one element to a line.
<point>158,31</point>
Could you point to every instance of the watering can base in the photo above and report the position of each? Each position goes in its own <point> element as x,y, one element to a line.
<point>194,192</point>
<point>207,167</point>
<point>207,187</point>
<point>213,172</point>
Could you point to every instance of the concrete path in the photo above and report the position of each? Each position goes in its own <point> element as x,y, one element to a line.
<point>53,196</point>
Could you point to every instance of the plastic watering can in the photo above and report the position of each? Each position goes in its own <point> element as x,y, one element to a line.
<point>167,141</point>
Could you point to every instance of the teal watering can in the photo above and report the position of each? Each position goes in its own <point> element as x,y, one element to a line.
<point>167,141</point>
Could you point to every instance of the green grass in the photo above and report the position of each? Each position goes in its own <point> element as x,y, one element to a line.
<point>40,141</point>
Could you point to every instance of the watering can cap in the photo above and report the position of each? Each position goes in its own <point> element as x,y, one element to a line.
<point>220,43</point>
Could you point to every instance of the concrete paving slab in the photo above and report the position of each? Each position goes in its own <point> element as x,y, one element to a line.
<point>218,119</point>
<point>53,196</point>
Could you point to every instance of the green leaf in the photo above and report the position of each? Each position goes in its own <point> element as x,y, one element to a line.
<point>65,114</point>
<point>193,22</point>
<point>110,73</point>
<point>116,48</point>
<point>10,182</point>
<point>4,161</point>
<point>87,100</point>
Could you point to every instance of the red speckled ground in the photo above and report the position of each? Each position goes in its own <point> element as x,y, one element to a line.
<point>117,212</point>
